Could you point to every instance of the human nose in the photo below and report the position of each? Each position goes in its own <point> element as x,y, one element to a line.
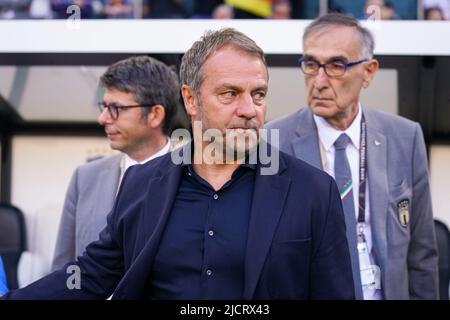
<point>104,117</point>
<point>247,107</point>
<point>321,79</point>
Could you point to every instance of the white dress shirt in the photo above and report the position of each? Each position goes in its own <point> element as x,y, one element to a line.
<point>127,162</point>
<point>327,136</point>
<point>130,162</point>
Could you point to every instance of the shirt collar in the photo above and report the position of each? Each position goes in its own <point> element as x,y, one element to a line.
<point>328,135</point>
<point>131,162</point>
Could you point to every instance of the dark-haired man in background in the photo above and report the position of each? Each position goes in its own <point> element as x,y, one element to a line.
<point>140,101</point>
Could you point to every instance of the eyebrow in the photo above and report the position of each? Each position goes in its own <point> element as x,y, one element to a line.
<point>230,86</point>
<point>115,104</point>
<point>227,85</point>
<point>265,88</point>
<point>331,59</point>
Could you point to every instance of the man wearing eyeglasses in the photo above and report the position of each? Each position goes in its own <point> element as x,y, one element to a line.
<point>378,160</point>
<point>141,98</point>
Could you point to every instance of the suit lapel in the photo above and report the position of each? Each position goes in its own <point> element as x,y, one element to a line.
<point>378,188</point>
<point>268,200</point>
<point>159,198</point>
<point>306,142</point>
<point>106,185</point>
<point>159,201</point>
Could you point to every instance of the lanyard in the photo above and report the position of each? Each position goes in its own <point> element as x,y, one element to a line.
<point>362,172</point>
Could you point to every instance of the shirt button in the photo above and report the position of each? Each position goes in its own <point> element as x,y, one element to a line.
<point>208,272</point>
<point>215,196</point>
<point>211,233</point>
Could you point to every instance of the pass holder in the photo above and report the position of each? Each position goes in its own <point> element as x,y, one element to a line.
<point>370,274</point>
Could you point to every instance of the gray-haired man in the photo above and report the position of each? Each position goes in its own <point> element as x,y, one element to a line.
<point>207,228</point>
<point>378,160</point>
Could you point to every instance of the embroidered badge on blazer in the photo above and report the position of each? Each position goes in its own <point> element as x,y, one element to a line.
<point>403,212</point>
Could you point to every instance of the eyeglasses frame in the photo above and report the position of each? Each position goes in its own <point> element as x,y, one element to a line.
<point>102,106</point>
<point>322,65</point>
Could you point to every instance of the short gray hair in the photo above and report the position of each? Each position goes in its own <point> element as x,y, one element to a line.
<point>191,64</point>
<point>337,19</point>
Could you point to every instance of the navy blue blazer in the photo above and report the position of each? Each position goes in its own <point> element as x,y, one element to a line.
<point>296,248</point>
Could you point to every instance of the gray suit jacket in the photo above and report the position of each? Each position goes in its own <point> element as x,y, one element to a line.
<point>397,171</point>
<point>89,198</point>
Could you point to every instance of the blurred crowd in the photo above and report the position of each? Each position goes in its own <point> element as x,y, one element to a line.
<point>217,9</point>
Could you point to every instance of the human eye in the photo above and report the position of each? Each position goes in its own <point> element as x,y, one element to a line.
<point>227,96</point>
<point>310,64</point>
<point>336,67</point>
<point>114,108</point>
<point>259,96</point>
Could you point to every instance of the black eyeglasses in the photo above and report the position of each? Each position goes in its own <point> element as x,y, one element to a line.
<point>114,110</point>
<point>333,69</point>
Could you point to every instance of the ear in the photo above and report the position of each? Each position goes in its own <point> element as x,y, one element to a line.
<point>156,116</point>
<point>190,101</point>
<point>371,67</point>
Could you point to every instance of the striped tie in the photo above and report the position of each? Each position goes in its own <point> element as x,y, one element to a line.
<point>343,175</point>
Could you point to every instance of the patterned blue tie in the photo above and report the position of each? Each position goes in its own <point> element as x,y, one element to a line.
<point>343,175</point>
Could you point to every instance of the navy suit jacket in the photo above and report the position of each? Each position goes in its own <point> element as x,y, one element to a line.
<point>296,247</point>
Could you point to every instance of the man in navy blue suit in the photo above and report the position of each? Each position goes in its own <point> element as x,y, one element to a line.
<point>212,220</point>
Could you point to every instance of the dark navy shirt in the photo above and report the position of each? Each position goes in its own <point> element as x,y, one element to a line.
<point>202,250</point>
